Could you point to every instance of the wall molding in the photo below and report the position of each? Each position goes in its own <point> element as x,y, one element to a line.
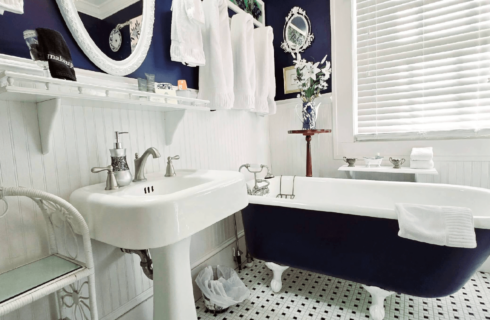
<point>134,303</point>
<point>294,101</point>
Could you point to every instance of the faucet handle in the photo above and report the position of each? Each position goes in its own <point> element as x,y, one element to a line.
<point>170,171</point>
<point>100,169</point>
<point>111,183</point>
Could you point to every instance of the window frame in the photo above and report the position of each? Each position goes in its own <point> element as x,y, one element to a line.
<point>344,116</point>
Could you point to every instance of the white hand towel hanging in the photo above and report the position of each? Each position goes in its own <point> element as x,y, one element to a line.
<point>265,88</point>
<point>242,45</point>
<point>15,6</point>
<point>187,20</point>
<point>216,76</point>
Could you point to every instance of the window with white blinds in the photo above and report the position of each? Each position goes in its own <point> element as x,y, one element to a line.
<point>423,69</point>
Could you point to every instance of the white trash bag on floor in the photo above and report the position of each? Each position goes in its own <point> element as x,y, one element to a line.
<point>227,291</point>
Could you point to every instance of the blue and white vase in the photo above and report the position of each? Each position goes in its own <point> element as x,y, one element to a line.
<point>309,114</point>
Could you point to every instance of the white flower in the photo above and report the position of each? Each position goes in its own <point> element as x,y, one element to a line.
<point>313,70</point>
<point>325,58</point>
<point>326,70</point>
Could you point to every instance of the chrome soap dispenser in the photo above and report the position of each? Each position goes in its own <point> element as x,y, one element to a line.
<point>119,163</point>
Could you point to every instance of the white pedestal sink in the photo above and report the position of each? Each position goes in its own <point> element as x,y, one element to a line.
<point>161,214</point>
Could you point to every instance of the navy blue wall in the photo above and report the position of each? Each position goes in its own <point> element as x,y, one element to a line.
<point>100,30</point>
<point>45,13</point>
<point>319,13</point>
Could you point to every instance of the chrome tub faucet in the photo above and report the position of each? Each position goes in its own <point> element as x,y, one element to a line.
<point>140,163</point>
<point>256,190</point>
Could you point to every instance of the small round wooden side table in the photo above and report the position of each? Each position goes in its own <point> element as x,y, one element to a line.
<point>308,134</point>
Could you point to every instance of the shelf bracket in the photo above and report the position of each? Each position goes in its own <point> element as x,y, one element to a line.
<point>46,114</point>
<point>172,122</point>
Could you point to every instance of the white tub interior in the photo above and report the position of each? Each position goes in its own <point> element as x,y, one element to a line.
<point>374,198</point>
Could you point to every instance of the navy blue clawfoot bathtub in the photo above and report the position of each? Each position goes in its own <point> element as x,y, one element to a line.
<point>348,229</point>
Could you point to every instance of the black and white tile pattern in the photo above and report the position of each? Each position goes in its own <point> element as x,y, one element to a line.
<point>311,296</point>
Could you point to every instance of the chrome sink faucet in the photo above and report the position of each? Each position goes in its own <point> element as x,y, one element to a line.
<point>140,163</point>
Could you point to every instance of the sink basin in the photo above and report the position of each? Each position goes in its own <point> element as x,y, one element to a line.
<point>161,214</point>
<point>161,210</point>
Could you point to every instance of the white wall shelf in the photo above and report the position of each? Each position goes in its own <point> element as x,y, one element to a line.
<point>388,169</point>
<point>47,93</point>
<point>25,87</point>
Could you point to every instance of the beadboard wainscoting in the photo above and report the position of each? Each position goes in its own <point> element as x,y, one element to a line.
<point>83,135</point>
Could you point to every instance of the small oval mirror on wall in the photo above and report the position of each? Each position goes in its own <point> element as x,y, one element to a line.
<point>115,35</point>
<point>297,31</point>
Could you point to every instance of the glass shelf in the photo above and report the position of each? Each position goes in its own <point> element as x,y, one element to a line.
<point>27,277</point>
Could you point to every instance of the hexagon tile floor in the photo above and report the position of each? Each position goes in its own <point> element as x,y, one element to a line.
<point>307,295</point>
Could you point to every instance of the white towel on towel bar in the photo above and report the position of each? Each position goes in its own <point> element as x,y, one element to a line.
<point>422,154</point>
<point>242,44</point>
<point>15,6</point>
<point>216,77</point>
<point>419,164</point>
<point>443,226</point>
<point>265,91</point>
<point>187,20</point>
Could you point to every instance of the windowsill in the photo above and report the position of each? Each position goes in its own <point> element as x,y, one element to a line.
<point>445,135</point>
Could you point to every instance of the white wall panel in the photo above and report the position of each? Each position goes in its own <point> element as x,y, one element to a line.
<point>83,135</point>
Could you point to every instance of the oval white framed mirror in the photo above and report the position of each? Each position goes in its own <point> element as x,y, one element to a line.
<point>127,64</point>
<point>297,31</point>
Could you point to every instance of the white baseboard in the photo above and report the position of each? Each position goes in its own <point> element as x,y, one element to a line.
<point>217,255</point>
<point>125,308</point>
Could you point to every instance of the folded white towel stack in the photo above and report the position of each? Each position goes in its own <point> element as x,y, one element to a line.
<point>414,164</point>
<point>242,44</point>
<point>216,76</point>
<point>15,6</point>
<point>187,20</point>
<point>421,158</point>
<point>443,226</point>
<point>265,91</point>
<point>421,154</point>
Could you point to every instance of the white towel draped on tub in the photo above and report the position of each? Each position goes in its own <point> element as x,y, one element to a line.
<point>265,91</point>
<point>216,77</point>
<point>187,20</point>
<point>443,226</point>
<point>15,6</point>
<point>242,44</point>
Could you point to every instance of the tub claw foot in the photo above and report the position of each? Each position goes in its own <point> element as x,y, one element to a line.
<point>276,283</point>
<point>377,309</point>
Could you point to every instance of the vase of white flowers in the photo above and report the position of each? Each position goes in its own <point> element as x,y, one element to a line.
<point>312,78</point>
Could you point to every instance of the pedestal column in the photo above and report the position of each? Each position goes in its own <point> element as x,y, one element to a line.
<point>173,297</point>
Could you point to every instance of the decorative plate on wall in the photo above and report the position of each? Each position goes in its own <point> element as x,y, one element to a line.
<point>115,40</point>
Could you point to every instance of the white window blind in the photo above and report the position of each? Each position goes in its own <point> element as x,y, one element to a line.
<point>423,68</point>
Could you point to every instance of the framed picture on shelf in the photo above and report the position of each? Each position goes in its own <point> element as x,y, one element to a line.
<point>290,83</point>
